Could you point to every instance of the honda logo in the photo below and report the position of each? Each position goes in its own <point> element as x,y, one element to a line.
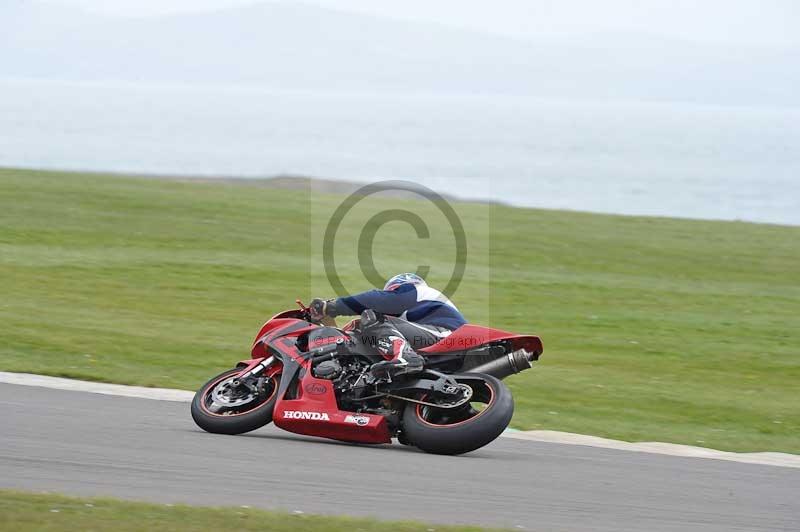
<point>315,416</point>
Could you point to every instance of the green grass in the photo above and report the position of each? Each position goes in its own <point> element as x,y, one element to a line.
<point>654,329</point>
<point>22,512</point>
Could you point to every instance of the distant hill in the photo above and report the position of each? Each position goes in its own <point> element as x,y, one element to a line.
<point>294,45</point>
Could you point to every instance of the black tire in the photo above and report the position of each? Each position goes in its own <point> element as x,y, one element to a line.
<point>249,416</point>
<point>459,436</point>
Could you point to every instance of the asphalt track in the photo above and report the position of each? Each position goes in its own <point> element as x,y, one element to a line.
<point>88,444</point>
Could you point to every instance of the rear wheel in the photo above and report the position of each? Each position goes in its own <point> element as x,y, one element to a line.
<point>224,408</point>
<point>465,428</point>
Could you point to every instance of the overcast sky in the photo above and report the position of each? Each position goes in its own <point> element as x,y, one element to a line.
<point>749,22</point>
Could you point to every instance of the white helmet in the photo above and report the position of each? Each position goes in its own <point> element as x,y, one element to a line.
<point>404,278</point>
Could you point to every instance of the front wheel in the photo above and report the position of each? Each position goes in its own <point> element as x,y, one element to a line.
<point>464,428</point>
<point>221,407</point>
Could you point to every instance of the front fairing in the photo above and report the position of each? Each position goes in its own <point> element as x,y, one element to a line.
<point>283,324</point>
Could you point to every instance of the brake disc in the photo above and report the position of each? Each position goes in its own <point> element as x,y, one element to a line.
<point>222,395</point>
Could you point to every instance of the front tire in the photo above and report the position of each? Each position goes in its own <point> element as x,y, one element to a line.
<point>218,409</point>
<point>463,429</point>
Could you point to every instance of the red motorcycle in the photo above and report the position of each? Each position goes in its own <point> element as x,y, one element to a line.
<point>312,378</point>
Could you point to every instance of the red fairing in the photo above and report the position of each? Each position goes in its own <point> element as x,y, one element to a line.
<point>315,413</point>
<point>472,336</point>
<point>277,327</point>
<point>280,321</point>
<point>314,410</point>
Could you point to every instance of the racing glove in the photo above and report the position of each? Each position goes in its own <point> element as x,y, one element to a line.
<point>319,308</point>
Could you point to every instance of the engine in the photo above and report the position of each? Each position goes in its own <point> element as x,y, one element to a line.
<point>330,370</point>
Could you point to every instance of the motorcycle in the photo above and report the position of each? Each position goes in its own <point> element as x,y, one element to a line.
<point>310,377</point>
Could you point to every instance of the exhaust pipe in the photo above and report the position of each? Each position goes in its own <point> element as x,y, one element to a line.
<point>506,365</point>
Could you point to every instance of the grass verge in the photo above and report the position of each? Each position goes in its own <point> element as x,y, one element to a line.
<point>24,512</point>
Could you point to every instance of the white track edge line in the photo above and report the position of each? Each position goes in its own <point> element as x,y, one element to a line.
<point>548,436</point>
<point>59,383</point>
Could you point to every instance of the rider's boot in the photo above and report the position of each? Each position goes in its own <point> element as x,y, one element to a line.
<point>401,358</point>
<point>408,362</point>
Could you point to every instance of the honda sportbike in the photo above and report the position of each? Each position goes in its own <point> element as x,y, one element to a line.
<point>310,377</point>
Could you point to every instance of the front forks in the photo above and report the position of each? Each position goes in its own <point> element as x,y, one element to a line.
<point>250,377</point>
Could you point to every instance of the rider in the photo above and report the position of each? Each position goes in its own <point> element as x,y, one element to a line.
<point>406,315</point>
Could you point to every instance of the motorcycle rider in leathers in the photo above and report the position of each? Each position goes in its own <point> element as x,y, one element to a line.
<point>405,316</point>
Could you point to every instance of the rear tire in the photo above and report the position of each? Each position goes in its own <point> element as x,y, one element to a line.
<point>237,419</point>
<point>450,431</point>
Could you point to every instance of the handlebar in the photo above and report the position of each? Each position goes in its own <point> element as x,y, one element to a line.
<point>306,312</point>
